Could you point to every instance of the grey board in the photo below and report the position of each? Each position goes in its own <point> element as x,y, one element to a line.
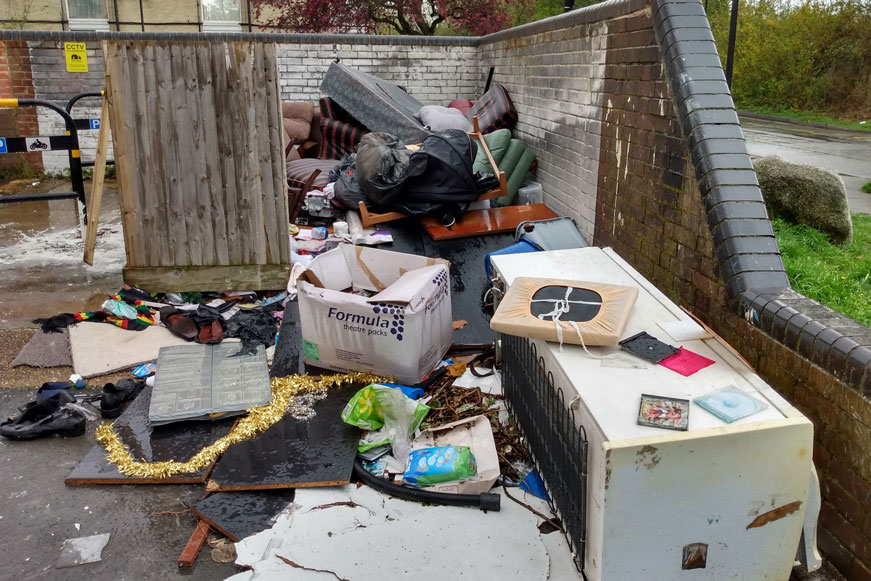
<point>197,381</point>
<point>294,453</point>
<point>375,103</point>
<point>178,441</point>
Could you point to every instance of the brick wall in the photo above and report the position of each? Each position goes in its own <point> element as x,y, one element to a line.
<point>637,138</point>
<point>16,81</point>
<point>433,74</point>
<point>52,82</point>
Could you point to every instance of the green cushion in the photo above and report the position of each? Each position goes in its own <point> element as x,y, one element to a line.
<point>497,142</point>
<point>516,163</point>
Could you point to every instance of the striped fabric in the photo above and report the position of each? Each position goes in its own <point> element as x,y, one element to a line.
<point>299,170</point>
<point>494,110</point>
<point>340,131</point>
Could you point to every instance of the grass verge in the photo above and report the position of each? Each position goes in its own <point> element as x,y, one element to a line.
<point>808,116</point>
<point>838,276</point>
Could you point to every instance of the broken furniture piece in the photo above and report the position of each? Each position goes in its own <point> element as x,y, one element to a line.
<point>741,489</point>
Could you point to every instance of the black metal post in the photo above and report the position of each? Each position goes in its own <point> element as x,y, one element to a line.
<point>569,5</point>
<point>730,53</point>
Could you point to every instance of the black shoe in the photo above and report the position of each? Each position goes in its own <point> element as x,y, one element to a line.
<point>47,418</point>
<point>116,395</point>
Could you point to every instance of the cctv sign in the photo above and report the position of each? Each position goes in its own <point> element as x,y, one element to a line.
<point>77,57</point>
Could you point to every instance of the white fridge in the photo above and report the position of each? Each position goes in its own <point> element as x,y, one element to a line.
<point>717,501</point>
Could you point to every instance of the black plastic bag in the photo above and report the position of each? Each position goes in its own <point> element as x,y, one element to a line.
<point>347,189</point>
<point>382,164</point>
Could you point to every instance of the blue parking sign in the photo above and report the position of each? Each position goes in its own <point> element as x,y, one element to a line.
<point>95,123</point>
<point>2,145</point>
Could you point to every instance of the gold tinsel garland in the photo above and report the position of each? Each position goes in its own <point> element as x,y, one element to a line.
<point>257,421</point>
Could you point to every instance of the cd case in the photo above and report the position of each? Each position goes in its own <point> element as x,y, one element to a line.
<point>730,404</point>
<point>648,347</point>
<point>664,412</point>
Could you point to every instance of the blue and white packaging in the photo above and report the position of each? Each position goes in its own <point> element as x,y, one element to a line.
<point>402,331</point>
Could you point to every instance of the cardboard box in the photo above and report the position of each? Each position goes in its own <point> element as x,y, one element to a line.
<point>478,436</point>
<point>403,331</point>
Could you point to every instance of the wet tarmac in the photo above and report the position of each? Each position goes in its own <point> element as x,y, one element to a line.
<point>148,524</point>
<point>846,153</point>
<point>41,253</point>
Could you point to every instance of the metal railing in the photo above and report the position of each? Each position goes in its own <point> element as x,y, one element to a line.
<point>557,444</point>
<point>68,142</point>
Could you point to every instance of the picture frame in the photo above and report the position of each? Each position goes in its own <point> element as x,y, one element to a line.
<point>668,413</point>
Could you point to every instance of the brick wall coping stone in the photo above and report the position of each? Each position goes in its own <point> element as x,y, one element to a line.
<point>747,253</point>
<point>585,15</point>
<point>270,37</point>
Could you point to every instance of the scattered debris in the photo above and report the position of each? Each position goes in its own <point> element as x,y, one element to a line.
<point>82,550</point>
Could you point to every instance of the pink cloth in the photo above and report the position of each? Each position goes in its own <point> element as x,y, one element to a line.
<point>686,362</point>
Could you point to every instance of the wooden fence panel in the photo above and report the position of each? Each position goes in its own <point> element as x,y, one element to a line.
<point>197,128</point>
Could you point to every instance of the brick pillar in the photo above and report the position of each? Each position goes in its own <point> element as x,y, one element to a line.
<point>16,80</point>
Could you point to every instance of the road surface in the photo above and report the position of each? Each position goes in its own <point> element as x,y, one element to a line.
<point>846,153</point>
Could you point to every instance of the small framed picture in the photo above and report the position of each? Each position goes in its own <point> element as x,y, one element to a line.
<point>664,412</point>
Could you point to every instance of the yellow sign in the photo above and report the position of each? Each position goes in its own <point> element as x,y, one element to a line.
<point>77,57</point>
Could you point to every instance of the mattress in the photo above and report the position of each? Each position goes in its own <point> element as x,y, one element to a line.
<point>375,103</point>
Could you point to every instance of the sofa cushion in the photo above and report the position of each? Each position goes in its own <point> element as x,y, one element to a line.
<point>439,118</point>
<point>494,110</point>
<point>497,142</point>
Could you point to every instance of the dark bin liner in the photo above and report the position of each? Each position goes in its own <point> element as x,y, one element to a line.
<point>436,179</point>
<point>347,189</point>
<point>382,167</point>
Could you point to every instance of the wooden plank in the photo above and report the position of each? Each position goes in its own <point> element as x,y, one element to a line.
<point>155,174</point>
<point>201,194</point>
<point>197,278</point>
<point>223,122</point>
<point>489,221</point>
<point>175,244</point>
<point>96,199</point>
<point>279,170</point>
<point>192,549</point>
<point>263,203</point>
<point>125,154</point>
<point>148,194</point>
<point>249,157</point>
<point>184,147</point>
<point>241,146</point>
<point>213,162</point>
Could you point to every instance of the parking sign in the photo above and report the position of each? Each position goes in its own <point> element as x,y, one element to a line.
<point>95,123</point>
<point>2,145</point>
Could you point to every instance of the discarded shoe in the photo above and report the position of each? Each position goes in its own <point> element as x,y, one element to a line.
<point>116,395</point>
<point>211,333</point>
<point>51,388</point>
<point>179,324</point>
<point>48,418</point>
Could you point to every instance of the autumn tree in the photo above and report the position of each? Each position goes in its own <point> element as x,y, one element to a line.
<point>419,17</point>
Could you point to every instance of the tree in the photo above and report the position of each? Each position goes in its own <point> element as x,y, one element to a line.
<point>416,17</point>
